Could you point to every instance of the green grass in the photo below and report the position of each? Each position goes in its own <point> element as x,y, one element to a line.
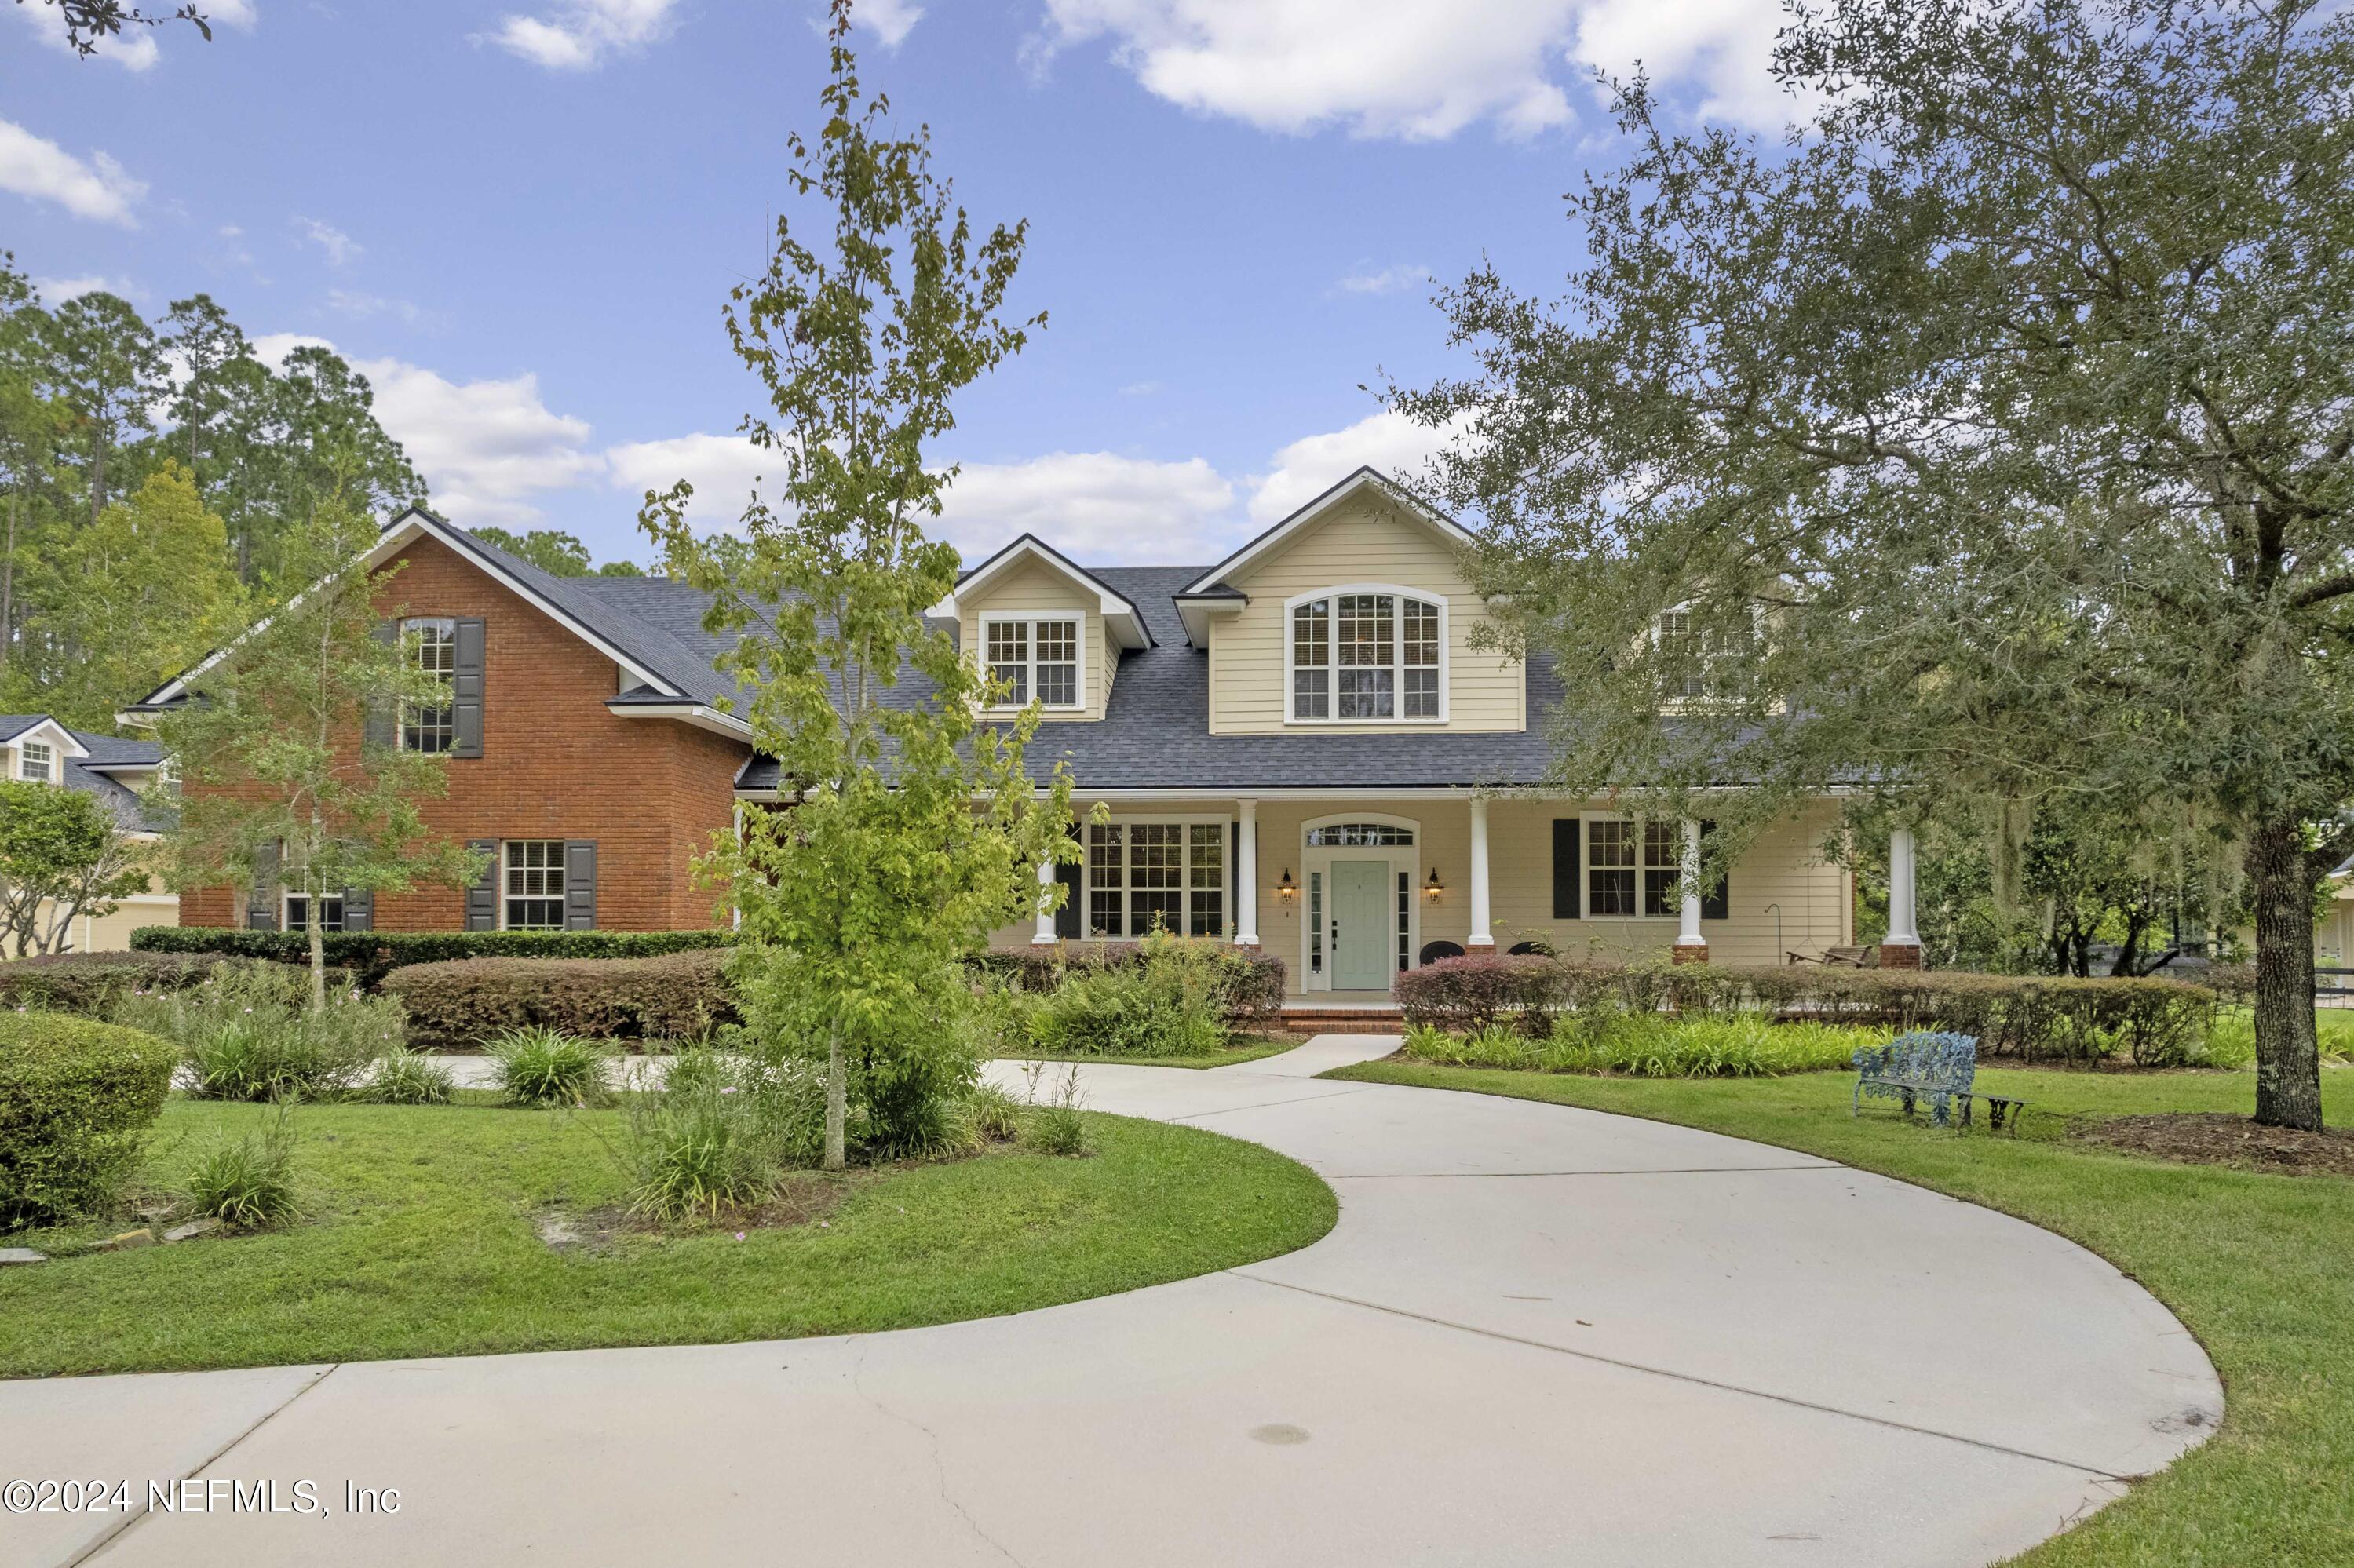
<point>418,1238</point>
<point>1246,1048</point>
<point>2261,1267</point>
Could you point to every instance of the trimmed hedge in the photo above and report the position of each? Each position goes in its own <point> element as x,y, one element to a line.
<point>77,1098</point>
<point>2154,1022</point>
<point>88,982</point>
<point>1254,981</point>
<point>462,1002</point>
<point>372,955</point>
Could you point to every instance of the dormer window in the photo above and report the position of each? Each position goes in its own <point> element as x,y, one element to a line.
<point>1699,651</point>
<point>1033,656</point>
<point>1366,655</point>
<point>38,761</point>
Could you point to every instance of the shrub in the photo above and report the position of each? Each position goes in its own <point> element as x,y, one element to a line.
<point>1172,1001</point>
<point>77,1098</point>
<point>404,1078</point>
<point>1473,993</point>
<point>2153,1023</point>
<point>684,996</point>
<point>372,955</point>
<point>1253,982</point>
<point>1652,1044</point>
<point>247,1183</point>
<point>1056,1126</point>
<point>699,1147</point>
<point>88,984</point>
<point>996,1114</point>
<point>249,1033</point>
<point>541,1066</point>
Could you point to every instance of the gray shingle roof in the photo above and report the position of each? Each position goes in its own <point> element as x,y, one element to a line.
<point>1155,734</point>
<point>85,773</point>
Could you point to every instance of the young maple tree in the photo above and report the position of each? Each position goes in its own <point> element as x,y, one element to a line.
<point>906,831</point>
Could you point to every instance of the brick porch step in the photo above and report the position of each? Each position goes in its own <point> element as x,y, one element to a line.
<point>1361,1019</point>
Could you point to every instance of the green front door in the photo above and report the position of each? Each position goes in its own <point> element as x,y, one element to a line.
<point>1360,924</point>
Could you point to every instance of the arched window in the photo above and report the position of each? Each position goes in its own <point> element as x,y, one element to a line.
<point>1360,836</point>
<point>1367,654</point>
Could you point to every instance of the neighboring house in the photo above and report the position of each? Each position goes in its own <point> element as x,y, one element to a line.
<point>1301,747</point>
<point>38,749</point>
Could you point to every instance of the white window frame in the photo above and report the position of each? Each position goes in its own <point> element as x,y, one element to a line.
<point>1088,886</point>
<point>1643,864</point>
<point>505,868</point>
<point>286,900</point>
<point>1030,618</point>
<point>49,773</point>
<point>1710,658</point>
<point>410,711</point>
<point>1291,666</point>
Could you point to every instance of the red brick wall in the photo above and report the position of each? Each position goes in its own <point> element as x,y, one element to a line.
<point>556,764</point>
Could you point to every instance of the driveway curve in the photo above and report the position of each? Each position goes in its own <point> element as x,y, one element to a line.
<point>1538,1335</point>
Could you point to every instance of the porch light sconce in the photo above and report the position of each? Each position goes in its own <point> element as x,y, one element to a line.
<point>1432,888</point>
<point>1286,889</point>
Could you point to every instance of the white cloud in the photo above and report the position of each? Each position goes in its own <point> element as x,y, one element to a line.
<point>36,167</point>
<point>236,12</point>
<point>1413,70</point>
<point>580,34</point>
<point>273,347</point>
<point>723,470</point>
<point>1099,508</point>
<point>1387,442</point>
<point>889,20</point>
<point>485,448</point>
<point>1380,67</point>
<point>340,247</point>
<point>57,291</point>
<point>1387,280</point>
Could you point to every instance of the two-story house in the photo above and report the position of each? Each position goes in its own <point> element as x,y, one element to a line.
<point>36,748</point>
<point>1302,747</point>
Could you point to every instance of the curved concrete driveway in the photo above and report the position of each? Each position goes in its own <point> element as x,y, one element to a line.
<point>1537,1335</point>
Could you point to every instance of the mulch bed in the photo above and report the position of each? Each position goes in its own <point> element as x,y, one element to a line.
<point>2220,1137</point>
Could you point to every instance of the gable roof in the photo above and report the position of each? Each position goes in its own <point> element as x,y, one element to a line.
<point>1122,620</point>
<point>651,627</point>
<point>1212,582</point>
<point>90,763</point>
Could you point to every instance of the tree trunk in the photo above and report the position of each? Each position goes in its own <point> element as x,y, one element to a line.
<point>8,584</point>
<point>837,1101</point>
<point>317,932</point>
<point>2288,1066</point>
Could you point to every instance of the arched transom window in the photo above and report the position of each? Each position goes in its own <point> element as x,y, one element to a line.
<point>1366,654</point>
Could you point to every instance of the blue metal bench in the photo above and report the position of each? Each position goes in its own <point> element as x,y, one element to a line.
<point>1939,1068</point>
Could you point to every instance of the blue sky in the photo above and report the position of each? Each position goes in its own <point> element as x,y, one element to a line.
<point>522,218</point>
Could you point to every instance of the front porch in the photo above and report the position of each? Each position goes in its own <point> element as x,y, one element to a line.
<point>1349,889</point>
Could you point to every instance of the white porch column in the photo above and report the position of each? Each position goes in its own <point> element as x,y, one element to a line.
<point>1045,935</point>
<point>1687,933</point>
<point>1480,936</point>
<point>1246,894</point>
<point>1901,948</point>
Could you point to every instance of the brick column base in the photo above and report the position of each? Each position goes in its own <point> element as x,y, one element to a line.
<point>1690,953</point>
<point>1900,955</point>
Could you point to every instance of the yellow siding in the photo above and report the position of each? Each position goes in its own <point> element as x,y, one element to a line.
<point>1783,866</point>
<point>1364,542</point>
<point>1034,588</point>
<point>111,933</point>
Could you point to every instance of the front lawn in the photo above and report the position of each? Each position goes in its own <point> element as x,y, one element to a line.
<point>421,1236</point>
<point>2260,1266</point>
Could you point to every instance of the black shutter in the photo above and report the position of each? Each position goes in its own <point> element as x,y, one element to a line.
<point>580,885</point>
<point>1067,919</point>
<point>261,899</point>
<point>466,691</point>
<point>359,909</point>
<point>482,899</point>
<point>1564,868</point>
<point>376,726</point>
<point>1716,903</point>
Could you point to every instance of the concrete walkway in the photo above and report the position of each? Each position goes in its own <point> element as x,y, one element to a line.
<point>1537,1335</point>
